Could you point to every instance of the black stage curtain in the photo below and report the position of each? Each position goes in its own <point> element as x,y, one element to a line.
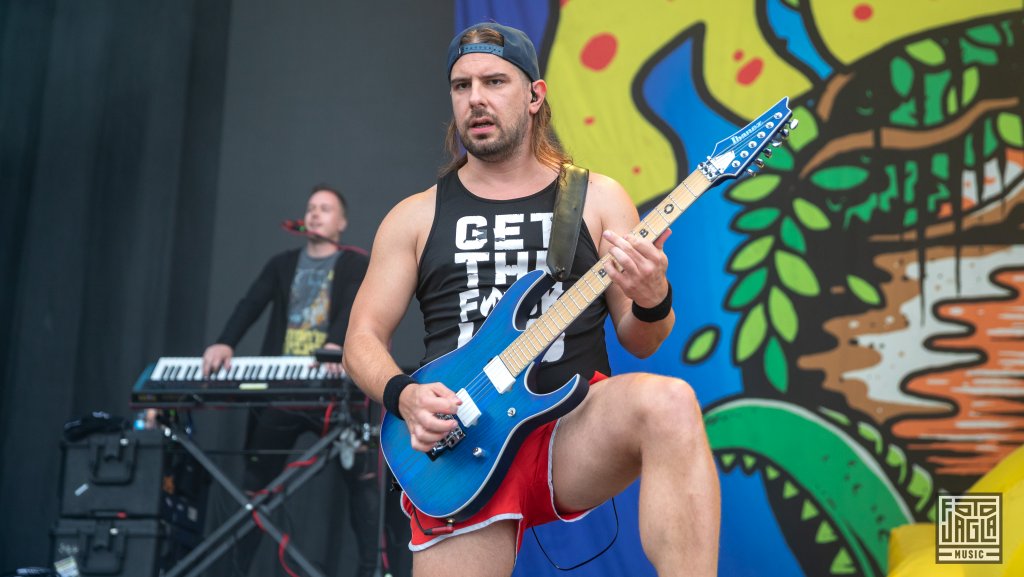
<point>110,121</point>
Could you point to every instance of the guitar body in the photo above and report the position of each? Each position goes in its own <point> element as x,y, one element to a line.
<point>457,483</point>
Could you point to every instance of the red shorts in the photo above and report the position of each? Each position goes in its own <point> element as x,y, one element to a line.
<point>526,496</point>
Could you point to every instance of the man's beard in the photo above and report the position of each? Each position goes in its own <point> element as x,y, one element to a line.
<point>502,148</point>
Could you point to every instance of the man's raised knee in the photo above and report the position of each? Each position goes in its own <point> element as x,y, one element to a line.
<point>668,402</point>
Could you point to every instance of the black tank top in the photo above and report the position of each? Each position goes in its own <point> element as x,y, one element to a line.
<point>476,249</point>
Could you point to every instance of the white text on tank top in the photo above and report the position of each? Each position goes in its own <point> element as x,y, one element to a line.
<point>510,260</point>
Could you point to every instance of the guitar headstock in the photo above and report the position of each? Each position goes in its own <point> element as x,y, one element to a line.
<point>734,154</point>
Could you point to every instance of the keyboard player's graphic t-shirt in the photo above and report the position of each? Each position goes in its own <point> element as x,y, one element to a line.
<point>309,304</point>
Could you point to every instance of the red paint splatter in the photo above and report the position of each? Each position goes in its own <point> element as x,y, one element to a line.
<point>750,71</point>
<point>863,12</point>
<point>738,55</point>
<point>636,170</point>
<point>599,51</point>
<point>562,3</point>
<point>588,120</point>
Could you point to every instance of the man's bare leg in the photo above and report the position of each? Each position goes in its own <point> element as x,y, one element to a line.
<point>487,552</point>
<point>647,425</point>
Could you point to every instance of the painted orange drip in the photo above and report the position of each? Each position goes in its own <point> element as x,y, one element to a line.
<point>987,421</point>
<point>946,208</point>
<point>588,120</point>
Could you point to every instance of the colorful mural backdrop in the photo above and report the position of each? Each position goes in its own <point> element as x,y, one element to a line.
<point>852,318</point>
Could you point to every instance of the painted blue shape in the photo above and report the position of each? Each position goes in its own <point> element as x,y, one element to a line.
<point>701,241</point>
<point>789,26</point>
<point>751,540</point>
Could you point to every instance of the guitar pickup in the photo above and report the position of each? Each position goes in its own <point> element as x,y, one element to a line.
<point>468,412</point>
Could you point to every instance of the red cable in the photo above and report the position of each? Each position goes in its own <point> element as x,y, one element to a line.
<point>327,419</point>
<point>281,547</point>
<point>306,463</point>
<point>256,519</point>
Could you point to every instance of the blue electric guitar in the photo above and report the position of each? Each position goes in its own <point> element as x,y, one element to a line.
<point>490,373</point>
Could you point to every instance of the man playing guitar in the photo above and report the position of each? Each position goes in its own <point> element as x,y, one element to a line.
<point>457,247</point>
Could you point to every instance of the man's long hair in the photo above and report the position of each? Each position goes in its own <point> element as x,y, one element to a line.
<point>543,142</point>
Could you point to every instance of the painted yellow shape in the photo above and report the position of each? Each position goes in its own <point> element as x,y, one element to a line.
<point>912,547</point>
<point>619,141</point>
<point>849,39</point>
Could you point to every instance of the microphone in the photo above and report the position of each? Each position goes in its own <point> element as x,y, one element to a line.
<point>298,226</point>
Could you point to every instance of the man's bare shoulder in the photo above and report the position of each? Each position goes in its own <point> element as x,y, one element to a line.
<point>605,195</point>
<point>408,223</point>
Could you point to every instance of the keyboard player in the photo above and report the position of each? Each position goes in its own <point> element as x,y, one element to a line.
<point>310,292</point>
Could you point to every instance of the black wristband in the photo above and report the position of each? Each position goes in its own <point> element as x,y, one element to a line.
<point>657,312</point>
<point>393,390</point>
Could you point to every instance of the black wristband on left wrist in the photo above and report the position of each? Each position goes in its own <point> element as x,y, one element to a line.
<point>393,390</point>
<point>657,312</point>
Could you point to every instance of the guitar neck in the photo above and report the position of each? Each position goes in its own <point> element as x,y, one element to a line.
<point>539,335</point>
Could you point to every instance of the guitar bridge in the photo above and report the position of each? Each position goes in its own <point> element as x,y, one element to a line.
<point>449,441</point>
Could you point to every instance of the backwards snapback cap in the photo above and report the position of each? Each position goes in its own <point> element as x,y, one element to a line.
<point>518,48</point>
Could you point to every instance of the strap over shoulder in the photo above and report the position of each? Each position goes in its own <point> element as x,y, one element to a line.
<point>570,197</point>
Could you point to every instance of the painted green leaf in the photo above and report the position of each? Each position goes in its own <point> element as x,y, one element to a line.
<point>839,177</point>
<point>792,236</point>
<point>752,333</point>
<point>810,215</point>
<point>927,52</point>
<point>986,34</point>
<point>754,189</point>
<point>701,345</point>
<point>782,158</point>
<point>974,54</point>
<point>910,217</point>
<point>776,367</point>
<point>757,219</point>
<point>795,274</point>
<point>1010,130</point>
<point>795,4</point>
<point>806,131</point>
<point>989,141</point>
<point>971,81</point>
<point>744,292</point>
<point>863,290</point>
<point>751,254</point>
<point>782,314</point>
<point>952,102</point>
<point>902,75</point>
<point>940,165</point>
<point>905,114</point>
<point>935,83</point>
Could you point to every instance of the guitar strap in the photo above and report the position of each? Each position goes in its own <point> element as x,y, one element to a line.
<point>570,196</point>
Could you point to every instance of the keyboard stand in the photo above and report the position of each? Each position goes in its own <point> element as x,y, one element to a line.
<point>217,543</point>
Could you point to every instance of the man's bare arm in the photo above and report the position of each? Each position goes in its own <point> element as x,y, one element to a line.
<point>381,303</point>
<point>643,265</point>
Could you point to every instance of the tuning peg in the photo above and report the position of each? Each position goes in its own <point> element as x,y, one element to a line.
<point>784,133</point>
<point>751,172</point>
<point>776,143</point>
<point>759,162</point>
<point>793,123</point>
<point>767,153</point>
